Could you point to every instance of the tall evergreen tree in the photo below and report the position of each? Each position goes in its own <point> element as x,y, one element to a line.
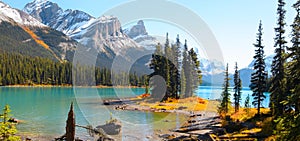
<point>278,82</point>
<point>175,74</point>
<point>237,89</point>
<point>288,125</point>
<point>294,63</point>
<point>259,76</point>
<point>247,104</point>
<point>158,69</point>
<point>190,72</point>
<point>195,70</point>
<point>184,72</point>
<point>167,63</point>
<point>225,102</point>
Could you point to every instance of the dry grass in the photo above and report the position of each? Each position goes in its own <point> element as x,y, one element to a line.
<point>251,131</point>
<point>39,41</point>
<point>242,115</point>
<point>188,104</point>
<point>36,38</point>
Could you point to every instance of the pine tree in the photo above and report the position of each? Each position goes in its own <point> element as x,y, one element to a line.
<point>259,76</point>
<point>7,129</point>
<point>195,70</point>
<point>247,104</point>
<point>167,64</point>
<point>225,102</point>
<point>278,82</point>
<point>237,89</point>
<point>294,63</point>
<point>184,72</point>
<point>288,126</point>
<point>175,74</point>
<point>157,65</point>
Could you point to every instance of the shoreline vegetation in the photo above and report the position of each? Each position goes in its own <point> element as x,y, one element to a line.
<point>198,111</point>
<point>203,119</point>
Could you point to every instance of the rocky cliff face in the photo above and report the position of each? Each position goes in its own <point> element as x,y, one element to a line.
<point>44,11</point>
<point>137,30</point>
<point>140,35</point>
<point>105,34</point>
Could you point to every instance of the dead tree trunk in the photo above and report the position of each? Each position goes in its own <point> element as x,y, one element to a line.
<point>70,127</point>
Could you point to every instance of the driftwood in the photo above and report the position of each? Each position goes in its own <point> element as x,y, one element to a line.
<point>116,101</point>
<point>61,138</point>
<point>99,132</point>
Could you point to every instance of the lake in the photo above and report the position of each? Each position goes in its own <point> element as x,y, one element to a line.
<point>214,92</point>
<point>44,109</point>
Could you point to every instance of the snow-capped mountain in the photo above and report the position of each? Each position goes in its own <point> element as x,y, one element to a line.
<point>106,35</point>
<point>213,71</point>
<point>245,73</point>
<point>211,66</point>
<point>24,34</point>
<point>103,34</point>
<point>140,35</point>
<point>14,15</point>
<point>268,62</point>
<point>137,30</point>
<point>49,13</point>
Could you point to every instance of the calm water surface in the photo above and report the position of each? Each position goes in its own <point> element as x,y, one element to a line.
<point>44,110</point>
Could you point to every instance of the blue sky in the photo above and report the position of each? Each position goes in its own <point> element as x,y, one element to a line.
<point>234,23</point>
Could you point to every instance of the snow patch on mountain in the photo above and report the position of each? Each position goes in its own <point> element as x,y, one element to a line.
<point>210,67</point>
<point>49,13</point>
<point>10,14</point>
<point>36,4</point>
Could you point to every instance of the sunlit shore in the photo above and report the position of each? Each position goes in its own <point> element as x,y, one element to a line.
<point>186,107</point>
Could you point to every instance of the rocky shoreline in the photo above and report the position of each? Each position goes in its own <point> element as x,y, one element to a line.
<point>199,124</point>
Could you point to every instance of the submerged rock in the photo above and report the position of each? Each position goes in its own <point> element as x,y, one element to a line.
<point>112,127</point>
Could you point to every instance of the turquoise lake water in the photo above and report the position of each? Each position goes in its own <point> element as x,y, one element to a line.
<point>44,110</point>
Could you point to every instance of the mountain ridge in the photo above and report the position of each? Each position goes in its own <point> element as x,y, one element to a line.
<point>104,34</point>
<point>21,33</point>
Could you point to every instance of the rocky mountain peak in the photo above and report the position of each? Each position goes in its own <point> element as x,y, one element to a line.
<point>51,14</point>
<point>13,15</point>
<point>137,30</point>
<point>140,35</point>
<point>43,10</point>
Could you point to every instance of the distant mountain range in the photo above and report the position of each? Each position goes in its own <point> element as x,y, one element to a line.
<point>217,78</point>
<point>44,29</point>
<point>104,34</point>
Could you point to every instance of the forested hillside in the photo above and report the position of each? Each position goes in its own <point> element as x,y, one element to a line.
<point>17,69</point>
